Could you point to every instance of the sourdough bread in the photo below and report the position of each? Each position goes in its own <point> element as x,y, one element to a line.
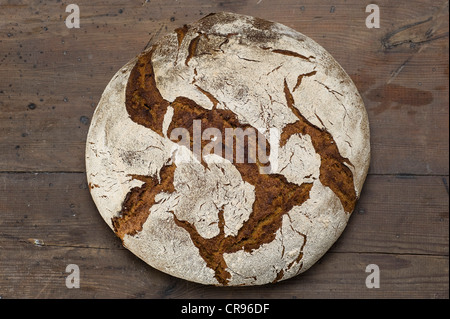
<point>217,219</point>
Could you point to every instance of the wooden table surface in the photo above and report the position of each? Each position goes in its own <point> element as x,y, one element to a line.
<point>52,77</point>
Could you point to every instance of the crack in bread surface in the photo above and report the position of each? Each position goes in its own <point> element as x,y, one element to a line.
<point>334,172</point>
<point>274,195</point>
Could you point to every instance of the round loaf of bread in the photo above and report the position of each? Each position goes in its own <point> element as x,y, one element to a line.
<point>231,151</point>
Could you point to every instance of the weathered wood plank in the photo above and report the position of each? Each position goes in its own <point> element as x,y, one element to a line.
<point>51,209</point>
<point>64,71</point>
<point>396,214</point>
<point>49,221</point>
<point>400,214</point>
<point>30,271</point>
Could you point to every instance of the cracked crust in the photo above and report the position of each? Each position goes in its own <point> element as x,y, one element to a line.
<point>225,223</point>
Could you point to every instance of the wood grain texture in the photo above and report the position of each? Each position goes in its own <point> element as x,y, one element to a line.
<point>52,77</point>
<point>64,71</point>
<point>39,272</point>
<point>41,232</point>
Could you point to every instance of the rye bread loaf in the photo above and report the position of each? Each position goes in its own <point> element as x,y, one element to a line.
<point>215,219</point>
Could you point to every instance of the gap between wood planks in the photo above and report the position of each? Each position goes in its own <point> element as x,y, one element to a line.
<point>405,175</point>
<point>40,243</point>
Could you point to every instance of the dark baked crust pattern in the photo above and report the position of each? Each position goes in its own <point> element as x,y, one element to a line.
<point>274,195</point>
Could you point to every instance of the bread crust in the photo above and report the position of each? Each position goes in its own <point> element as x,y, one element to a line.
<point>223,222</point>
